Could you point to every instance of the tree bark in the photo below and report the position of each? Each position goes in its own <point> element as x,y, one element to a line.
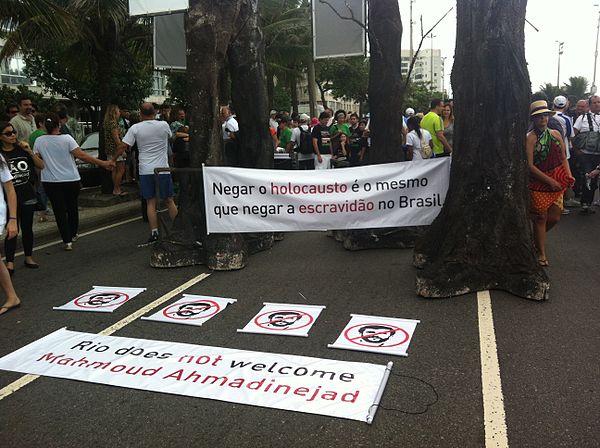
<point>386,89</point>
<point>482,238</point>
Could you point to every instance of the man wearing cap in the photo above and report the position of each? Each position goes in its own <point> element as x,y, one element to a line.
<point>272,122</point>
<point>305,161</point>
<point>589,155</point>
<point>560,105</point>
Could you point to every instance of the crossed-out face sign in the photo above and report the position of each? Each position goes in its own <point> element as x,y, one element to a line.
<point>283,319</point>
<point>191,310</point>
<point>103,299</point>
<point>386,335</point>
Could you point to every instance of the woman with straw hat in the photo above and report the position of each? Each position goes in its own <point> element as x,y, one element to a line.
<point>549,172</point>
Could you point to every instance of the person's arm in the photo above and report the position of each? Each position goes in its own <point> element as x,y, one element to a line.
<point>442,139</point>
<point>81,154</point>
<point>409,152</point>
<point>114,134</point>
<point>11,200</point>
<point>37,160</point>
<point>534,170</point>
<point>121,148</point>
<point>315,142</point>
<point>563,148</point>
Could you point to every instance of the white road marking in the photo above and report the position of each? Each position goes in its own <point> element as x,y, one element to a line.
<point>91,232</point>
<point>26,379</point>
<point>491,384</point>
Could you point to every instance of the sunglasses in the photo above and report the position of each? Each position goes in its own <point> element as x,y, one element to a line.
<point>9,133</point>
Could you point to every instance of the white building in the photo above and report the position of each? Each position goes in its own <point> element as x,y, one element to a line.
<point>429,68</point>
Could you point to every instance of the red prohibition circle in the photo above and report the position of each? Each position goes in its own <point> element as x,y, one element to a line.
<point>396,329</point>
<point>78,301</point>
<point>262,325</point>
<point>215,304</point>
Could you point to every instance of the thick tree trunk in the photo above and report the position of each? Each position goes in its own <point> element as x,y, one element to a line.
<point>386,89</point>
<point>247,61</point>
<point>482,239</point>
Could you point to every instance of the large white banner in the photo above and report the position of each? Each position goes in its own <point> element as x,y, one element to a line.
<point>101,299</point>
<point>191,310</point>
<point>296,383</point>
<point>374,196</point>
<point>284,319</point>
<point>376,334</point>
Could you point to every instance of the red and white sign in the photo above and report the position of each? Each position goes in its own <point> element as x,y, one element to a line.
<point>342,389</point>
<point>385,195</point>
<point>102,299</point>
<point>384,335</point>
<point>191,310</point>
<point>284,319</point>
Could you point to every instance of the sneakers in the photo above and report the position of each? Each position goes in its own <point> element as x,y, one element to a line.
<point>68,246</point>
<point>565,211</point>
<point>153,239</point>
<point>75,237</point>
<point>586,210</point>
<point>572,203</point>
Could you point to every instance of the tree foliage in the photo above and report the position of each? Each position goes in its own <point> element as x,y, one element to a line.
<point>346,78</point>
<point>418,96</point>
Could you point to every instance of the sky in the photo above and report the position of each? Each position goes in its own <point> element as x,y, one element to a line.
<point>573,22</point>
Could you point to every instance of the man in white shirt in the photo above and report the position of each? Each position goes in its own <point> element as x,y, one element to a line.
<point>589,155</point>
<point>230,126</point>
<point>152,139</point>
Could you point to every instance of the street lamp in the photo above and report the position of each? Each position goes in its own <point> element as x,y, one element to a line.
<point>593,89</point>
<point>560,51</point>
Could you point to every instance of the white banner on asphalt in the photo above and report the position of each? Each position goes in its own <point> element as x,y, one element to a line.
<point>102,299</point>
<point>375,334</point>
<point>191,310</point>
<point>373,196</point>
<point>284,319</point>
<point>296,383</point>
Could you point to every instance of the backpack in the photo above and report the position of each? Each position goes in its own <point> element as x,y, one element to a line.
<point>426,151</point>
<point>588,141</point>
<point>306,146</point>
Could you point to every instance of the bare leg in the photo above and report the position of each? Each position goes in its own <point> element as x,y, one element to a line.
<point>152,217</point>
<point>553,216</point>
<point>539,234</point>
<point>171,207</point>
<point>11,296</point>
<point>117,177</point>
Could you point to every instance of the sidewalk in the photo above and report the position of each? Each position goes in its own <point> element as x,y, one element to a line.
<point>95,210</point>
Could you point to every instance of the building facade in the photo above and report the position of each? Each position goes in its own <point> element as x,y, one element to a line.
<point>428,69</point>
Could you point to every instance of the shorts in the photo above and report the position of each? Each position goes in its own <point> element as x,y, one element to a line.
<point>148,189</point>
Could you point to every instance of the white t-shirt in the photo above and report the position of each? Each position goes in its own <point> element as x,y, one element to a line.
<point>152,138</point>
<point>582,124</point>
<point>562,119</point>
<point>412,139</point>
<point>229,126</point>
<point>5,176</point>
<point>59,163</point>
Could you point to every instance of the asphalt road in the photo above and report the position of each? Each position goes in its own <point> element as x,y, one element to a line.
<point>548,352</point>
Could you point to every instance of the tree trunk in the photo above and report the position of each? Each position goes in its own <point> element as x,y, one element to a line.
<point>322,92</point>
<point>294,94</point>
<point>386,89</point>
<point>247,60</point>
<point>482,238</point>
<point>312,97</point>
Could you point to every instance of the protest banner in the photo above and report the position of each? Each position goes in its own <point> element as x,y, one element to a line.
<point>374,196</point>
<point>342,389</point>
<point>284,319</point>
<point>375,334</point>
<point>191,310</point>
<point>102,299</point>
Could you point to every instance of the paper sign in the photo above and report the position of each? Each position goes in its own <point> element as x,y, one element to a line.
<point>101,299</point>
<point>284,319</point>
<point>191,310</point>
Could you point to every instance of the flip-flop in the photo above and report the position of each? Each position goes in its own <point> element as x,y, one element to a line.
<point>543,262</point>
<point>8,308</point>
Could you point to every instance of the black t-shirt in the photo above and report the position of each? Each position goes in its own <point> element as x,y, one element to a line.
<point>321,133</point>
<point>22,169</point>
<point>354,142</point>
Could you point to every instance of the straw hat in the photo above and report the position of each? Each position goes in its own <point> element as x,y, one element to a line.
<point>539,107</point>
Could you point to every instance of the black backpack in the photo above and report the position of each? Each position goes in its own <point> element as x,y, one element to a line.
<point>306,146</point>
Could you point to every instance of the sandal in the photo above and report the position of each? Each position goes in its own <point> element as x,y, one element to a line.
<point>543,262</point>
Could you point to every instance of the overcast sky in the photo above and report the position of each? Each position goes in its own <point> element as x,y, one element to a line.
<point>573,22</point>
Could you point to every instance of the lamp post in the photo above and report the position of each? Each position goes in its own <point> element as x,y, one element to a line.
<point>593,89</point>
<point>560,51</point>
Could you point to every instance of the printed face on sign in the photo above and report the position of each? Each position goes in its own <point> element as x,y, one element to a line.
<point>283,319</point>
<point>376,334</point>
<point>101,299</point>
<point>192,309</point>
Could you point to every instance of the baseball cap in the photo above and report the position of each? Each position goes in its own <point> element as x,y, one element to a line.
<point>560,101</point>
<point>273,112</point>
<point>304,117</point>
<point>409,111</point>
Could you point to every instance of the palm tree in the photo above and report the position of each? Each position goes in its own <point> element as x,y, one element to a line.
<point>576,87</point>
<point>550,91</point>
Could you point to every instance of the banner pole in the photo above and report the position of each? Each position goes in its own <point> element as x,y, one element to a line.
<point>375,405</point>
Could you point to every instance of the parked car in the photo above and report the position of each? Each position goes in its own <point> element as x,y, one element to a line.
<point>90,174</point>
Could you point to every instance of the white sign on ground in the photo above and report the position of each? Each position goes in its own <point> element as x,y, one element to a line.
<point>284,319</point>
<point>102,299</point>
<point>375,334</point>
<point>374,196</point>
<point>349,390</point>
<point>191,310</point>
<point>154,7</point>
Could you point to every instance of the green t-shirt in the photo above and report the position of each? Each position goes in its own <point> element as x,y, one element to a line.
<point>343,128</point>
<point>34,135</point>
<point>286,137</point>
<point>433,123</point>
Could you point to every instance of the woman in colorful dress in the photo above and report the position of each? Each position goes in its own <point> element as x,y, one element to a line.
<point>549,172</point>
